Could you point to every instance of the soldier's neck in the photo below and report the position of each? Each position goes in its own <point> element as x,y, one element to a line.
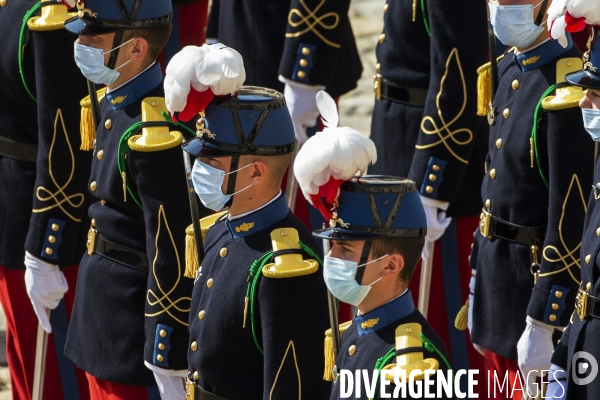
<point>254,200</point>
<point>379,297</point>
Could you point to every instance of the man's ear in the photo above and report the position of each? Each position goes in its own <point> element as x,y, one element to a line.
<point>139,48</point>
<point>259,172</point>
<point>394,266</point>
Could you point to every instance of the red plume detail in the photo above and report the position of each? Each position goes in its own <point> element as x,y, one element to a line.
<point>196,102</point>
<point>323,201</point>
<point>574,24</point>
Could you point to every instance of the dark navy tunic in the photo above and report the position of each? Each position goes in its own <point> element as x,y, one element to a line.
<point>363,343</point>
<point>43,201</point>
<point>308,41</point>
<point>290,316</point>
<point>515,191</point>
<point>438,141</point>
<point>582,336</point>
<point>125,315</point>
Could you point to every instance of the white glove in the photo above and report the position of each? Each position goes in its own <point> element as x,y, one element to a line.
<point>302,105</point>
<point>535,350</point>
<point>557,383</point>
<point>436,223</point>
<point>46,285</point>
<point>470,310</point>
<point>171,383</point>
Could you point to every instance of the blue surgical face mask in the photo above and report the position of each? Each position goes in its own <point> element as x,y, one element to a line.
<point>207,182</point>
<point>90,61</point>
<point>591,122</point>
<point>514,25</point>
<point>339,277</point>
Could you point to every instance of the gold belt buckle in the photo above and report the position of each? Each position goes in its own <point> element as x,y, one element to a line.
<point>189,390</point>
<point>485,222</point>
<point>91,241</point>
<point>581,303</point>
<point>377,86</point>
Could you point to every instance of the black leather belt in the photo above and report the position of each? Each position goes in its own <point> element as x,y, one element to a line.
<point>493,227</point>
<point>385,89</point>
<point>587,305</point>
<point>98,244</point>
<point>18,151</point>
<point>193,391</point>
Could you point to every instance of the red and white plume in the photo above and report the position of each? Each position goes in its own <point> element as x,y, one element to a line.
<point>571,16</point>
<point>69,3</point>
<point>196,75</point>
<point>331,157</point>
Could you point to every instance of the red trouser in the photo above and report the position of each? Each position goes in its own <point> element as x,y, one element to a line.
<point>496,369</point>
<point>104,390</point>
<point>62,379</point>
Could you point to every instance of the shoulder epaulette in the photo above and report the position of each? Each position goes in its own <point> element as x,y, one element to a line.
<point>566,96</point>
<point>287,255</point>
<point>484,87</point>
<point>154,138</point>
<point>329,356</point>
<point>409,338</point>
<point>191,253</point>
<point>86,126</point>
<point>53,18</point>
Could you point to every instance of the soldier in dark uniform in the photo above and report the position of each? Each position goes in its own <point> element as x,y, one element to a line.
<point>425,128</point>
<point>525,252</point>
<point>43,203</point>
<point>575,360</point>
<point>307,45</point>
<point>386,312</point>
<point>129,324</point>
<point>259,300</point>
<point>189,25</point>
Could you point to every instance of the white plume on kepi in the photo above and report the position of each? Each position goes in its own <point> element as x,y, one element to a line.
<point>196,74</point>
<point>331,157</point>
<point>567,15</point>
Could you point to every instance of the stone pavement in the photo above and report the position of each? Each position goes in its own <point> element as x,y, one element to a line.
<point>355,111</point>
<point>356,107</point>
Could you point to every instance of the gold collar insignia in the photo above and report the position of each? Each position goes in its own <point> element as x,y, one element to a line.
<point>245,227</point>
<point>118,100</point>
<point>530,60</point>
<point>369,323</point>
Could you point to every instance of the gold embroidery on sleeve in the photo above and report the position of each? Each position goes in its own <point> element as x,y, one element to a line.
<point>290,345</point>
<point>165,295</point>
<point>444,132</point>
<point>312,20</point>
<point>570,258</point>
<point>59,197</point>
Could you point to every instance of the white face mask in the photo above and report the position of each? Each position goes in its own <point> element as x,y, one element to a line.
<point>591,122</point>
<point>340,279</point>
<point>514,25</point>
<point>90,61</point>
<point>207,182</point>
